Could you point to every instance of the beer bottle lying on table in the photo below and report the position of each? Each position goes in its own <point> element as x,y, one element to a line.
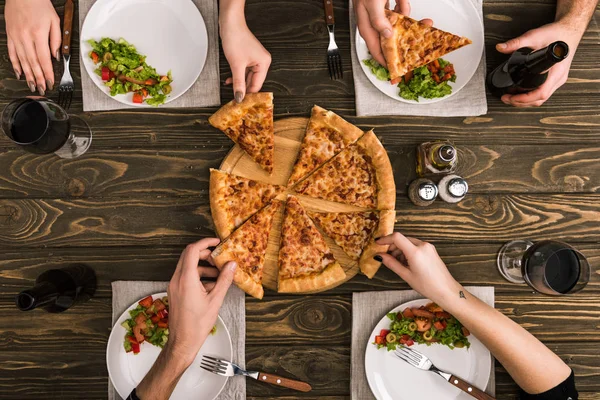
<point>526,69</point>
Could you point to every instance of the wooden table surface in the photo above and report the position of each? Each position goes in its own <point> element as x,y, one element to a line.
<point>140,194</point>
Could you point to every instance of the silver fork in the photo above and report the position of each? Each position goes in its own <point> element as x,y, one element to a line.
<point>66,86</point>
<point>225,368</point>
<point>421,361</point>
<point>334,60</point>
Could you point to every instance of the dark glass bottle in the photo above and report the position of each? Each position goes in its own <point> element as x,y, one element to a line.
<point>56,290</point>
<point>434,158</point>
<point>526,69</point>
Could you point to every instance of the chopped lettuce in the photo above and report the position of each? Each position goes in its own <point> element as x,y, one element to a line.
<point>377,69</point>
<point>423,85</point>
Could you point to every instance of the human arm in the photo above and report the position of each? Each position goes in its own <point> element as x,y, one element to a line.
<point>421,267</point>
<point>193,311</point>
<point>33,37</point>
<point>571,21</point>
<point>248,59</point>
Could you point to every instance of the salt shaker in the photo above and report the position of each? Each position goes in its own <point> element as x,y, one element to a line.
<point>452,188</point>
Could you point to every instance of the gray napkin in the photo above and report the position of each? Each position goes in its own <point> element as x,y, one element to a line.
<point>204,93</point>
<point>469,101</point>
<point>367,309</point>
<point>233,313</point>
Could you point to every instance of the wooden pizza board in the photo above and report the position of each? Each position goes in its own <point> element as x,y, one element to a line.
<point>289,134</point>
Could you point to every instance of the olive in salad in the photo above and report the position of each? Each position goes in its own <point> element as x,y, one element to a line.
<point>124,70</point>
<point>148,322</point>
<point>424,325</point>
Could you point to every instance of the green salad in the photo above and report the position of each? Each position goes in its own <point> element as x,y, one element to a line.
<point>425,325</point>
<point>124,70</point>
<point>429,81</point>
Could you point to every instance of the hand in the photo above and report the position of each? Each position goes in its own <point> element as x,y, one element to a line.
<point>419,264</point>
<point>34,36</point>
<point>193,306</point>
<point>248,59</point>
<point>372,22</point>
<point>557,76</point>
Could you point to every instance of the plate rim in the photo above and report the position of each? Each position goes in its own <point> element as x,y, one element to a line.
<point>113,330</point>
<point>120,99</point>
<point>399,307</point>
<point>358,37</point>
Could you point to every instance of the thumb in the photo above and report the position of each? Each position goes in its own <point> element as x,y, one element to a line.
<point>378,20</point>
<point>223,282</point>
<point>392,263</point>
<point>239,82</point>
<point>512,45</point>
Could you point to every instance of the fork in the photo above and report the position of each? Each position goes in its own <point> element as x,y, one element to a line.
<point>66,87</point>
<point>225,368</point>
<point>334,60</point>
<point>421,361</point>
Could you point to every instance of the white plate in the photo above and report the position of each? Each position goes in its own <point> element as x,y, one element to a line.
<point>455,16</point>
<point>171,33</point>
<point>390,378</point>
<point>126,370</point>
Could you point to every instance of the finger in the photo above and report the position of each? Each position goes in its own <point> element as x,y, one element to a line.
<point>25,67</point>
<point>209,286</point>
<point>55,38</point>
<point>239,82</point>
<point>223,282</point>
<point>396,253</point>
<point>14,59</point>
<point>525,40</point>
<point>258,78</point>
<point>403,7</point>
<point>248,79</point>
<point>36,68</point>
<point>415,241</point>
<point>427,21</point>
<point>45,60</point>
<point>193,253</point>
<point>395,265</point>
<point>402,242</point>
<point>228,81</point>
<point>378,20</point>
<point>208,272</point>
<point>534,98</point>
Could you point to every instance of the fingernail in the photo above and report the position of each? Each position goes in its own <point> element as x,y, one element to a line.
<point>378,258</point>
<point>232,266</point>
<point>501,45</point>
<point>31,86</point>
<point>387,33</point>
<point>49,84</point>
<point>239,97</point>
<point>17,74</point>
<point>41,90</point>
<point>377,238</point>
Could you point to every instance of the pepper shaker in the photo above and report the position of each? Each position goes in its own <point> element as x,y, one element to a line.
<point>422,192</point>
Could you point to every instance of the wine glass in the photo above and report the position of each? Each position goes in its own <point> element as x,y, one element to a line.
<point>41,126</point>
<point>549,266</point>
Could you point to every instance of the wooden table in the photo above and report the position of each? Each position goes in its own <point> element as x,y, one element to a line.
<point>140,194</point>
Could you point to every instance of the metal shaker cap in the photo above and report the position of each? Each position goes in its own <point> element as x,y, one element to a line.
<point>457,187</point>
<point>427,191</point>
<point>447,153</point>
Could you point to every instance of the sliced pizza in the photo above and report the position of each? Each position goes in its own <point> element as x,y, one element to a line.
<point>326,135</point>
<point>305,260</point>
<point>360,175</point>
<point>250,125</point>
<point>247,246</point>
<point>414,44</point>
<point>355,233</point>
<point>234,199</point>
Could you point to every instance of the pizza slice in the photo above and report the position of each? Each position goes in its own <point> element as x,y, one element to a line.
<point>234,199</point>
<point>250,125</point>
<point>355,233</point>
<point>305,260</point>
<point>360,175</point>
<point>326,135</point>
<point>247,246</point>
<point>414,44</point>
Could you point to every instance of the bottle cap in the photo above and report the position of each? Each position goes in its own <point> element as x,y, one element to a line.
<point>457,187</point>
<point>427,191</point>
<point>447,153</point>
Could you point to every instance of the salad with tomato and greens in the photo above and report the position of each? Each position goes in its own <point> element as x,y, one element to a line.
<point>148,322</point>
<point>429,81</point>
<point>124,70</point>
<point>424,325</point>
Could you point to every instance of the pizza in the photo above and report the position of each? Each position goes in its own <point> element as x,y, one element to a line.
<point>305,261</point>
<point>360,175</point>
<point>326,135</point>
<point>234,199</point>
<point>414,44</point>
<point>355,233</point>
<point>250,125</point>
<point>248,246</point>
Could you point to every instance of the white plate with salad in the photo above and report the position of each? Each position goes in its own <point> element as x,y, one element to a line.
<point>457,17</point>
<point>144,52</point>
<point>137,339</point>
<point>436,334</point>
